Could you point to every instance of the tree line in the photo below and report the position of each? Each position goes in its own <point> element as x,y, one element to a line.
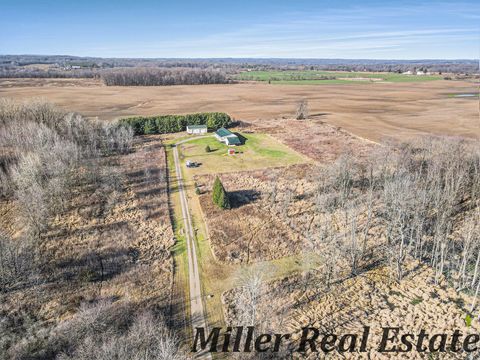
<point>20,72</point>
<point>232,65</point>
<point>162,77</point>
<point>164,124</point>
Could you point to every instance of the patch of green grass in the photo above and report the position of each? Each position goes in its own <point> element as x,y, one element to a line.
<point>271,153</point>
<point>416,301</point>
<point>314,82</point>
<point>257,144</point>
<point>464,96</point>
<point>330,77</point>
<point>216,148</point>
<point>258,151</point>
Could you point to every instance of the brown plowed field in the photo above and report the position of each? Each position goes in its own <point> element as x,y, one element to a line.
<point>373,111</point>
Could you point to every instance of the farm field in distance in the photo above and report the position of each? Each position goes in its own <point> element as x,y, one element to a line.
<point>312,77</point>
<point>373,111</point>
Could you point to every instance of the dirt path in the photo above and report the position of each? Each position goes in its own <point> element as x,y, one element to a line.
<point>197,314</point>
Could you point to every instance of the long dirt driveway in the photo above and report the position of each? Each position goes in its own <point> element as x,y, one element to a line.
<point>197,314</point>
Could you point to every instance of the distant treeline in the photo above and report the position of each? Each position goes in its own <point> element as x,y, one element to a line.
<point>61,65</point>
<point>162,77</point>
<point>163,124</point>
<point>22,72</point>
<point>124,76</point>
<point>454,68</point>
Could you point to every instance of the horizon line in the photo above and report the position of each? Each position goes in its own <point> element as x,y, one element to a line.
<point>248,58</point>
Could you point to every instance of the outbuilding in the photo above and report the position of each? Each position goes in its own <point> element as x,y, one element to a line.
<point>197,129</point>
<point>227,137</point>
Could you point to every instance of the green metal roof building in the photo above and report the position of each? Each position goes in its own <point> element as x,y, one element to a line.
<point>227,137</point>
<point>233,140</point>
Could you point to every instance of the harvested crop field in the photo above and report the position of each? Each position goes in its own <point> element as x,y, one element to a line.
<point>373,111</point>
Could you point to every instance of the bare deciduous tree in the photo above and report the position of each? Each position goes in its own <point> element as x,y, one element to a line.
<point>15,261</point>
<point>302,110</point>
<point>251,287</point>
<point>148,338</point>
<point>162,76</point>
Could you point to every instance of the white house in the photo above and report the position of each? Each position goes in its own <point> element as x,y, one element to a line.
<point>197,129</point>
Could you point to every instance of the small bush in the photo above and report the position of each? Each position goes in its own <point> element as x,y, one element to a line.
<point>207,149</point>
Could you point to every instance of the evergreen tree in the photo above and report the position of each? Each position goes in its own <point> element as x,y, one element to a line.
<point>223,200</point>
<point>220,196</point>
<point>207,149</point>
<point>163,124</point>
<point>150,127</point>
<point>217,185</point>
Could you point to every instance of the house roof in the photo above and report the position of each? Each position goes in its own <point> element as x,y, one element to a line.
<point>194,127</point>
<point>222,132</point>
<point>233,140</point>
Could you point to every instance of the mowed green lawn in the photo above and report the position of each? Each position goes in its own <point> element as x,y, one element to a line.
<point>258,151</point>
<point>330,77</point>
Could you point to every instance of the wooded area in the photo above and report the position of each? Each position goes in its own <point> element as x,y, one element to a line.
<point>404,202</point>
<point>162,77</point>
<point>158,72</point>
<point>84,221</point>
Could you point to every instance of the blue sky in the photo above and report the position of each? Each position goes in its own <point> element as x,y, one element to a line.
<point>287,29</point>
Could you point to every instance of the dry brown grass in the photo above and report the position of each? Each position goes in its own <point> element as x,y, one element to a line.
<point>258,227</point>
<point>316,139</point>
<point>372,299</point>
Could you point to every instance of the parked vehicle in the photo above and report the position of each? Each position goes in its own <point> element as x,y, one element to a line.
<point>191,164</point>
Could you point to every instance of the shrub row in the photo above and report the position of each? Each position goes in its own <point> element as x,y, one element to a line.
<point>163,124</point>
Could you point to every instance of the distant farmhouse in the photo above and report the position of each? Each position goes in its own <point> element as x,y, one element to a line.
<point>197,129</point>
<point>227,137</point>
